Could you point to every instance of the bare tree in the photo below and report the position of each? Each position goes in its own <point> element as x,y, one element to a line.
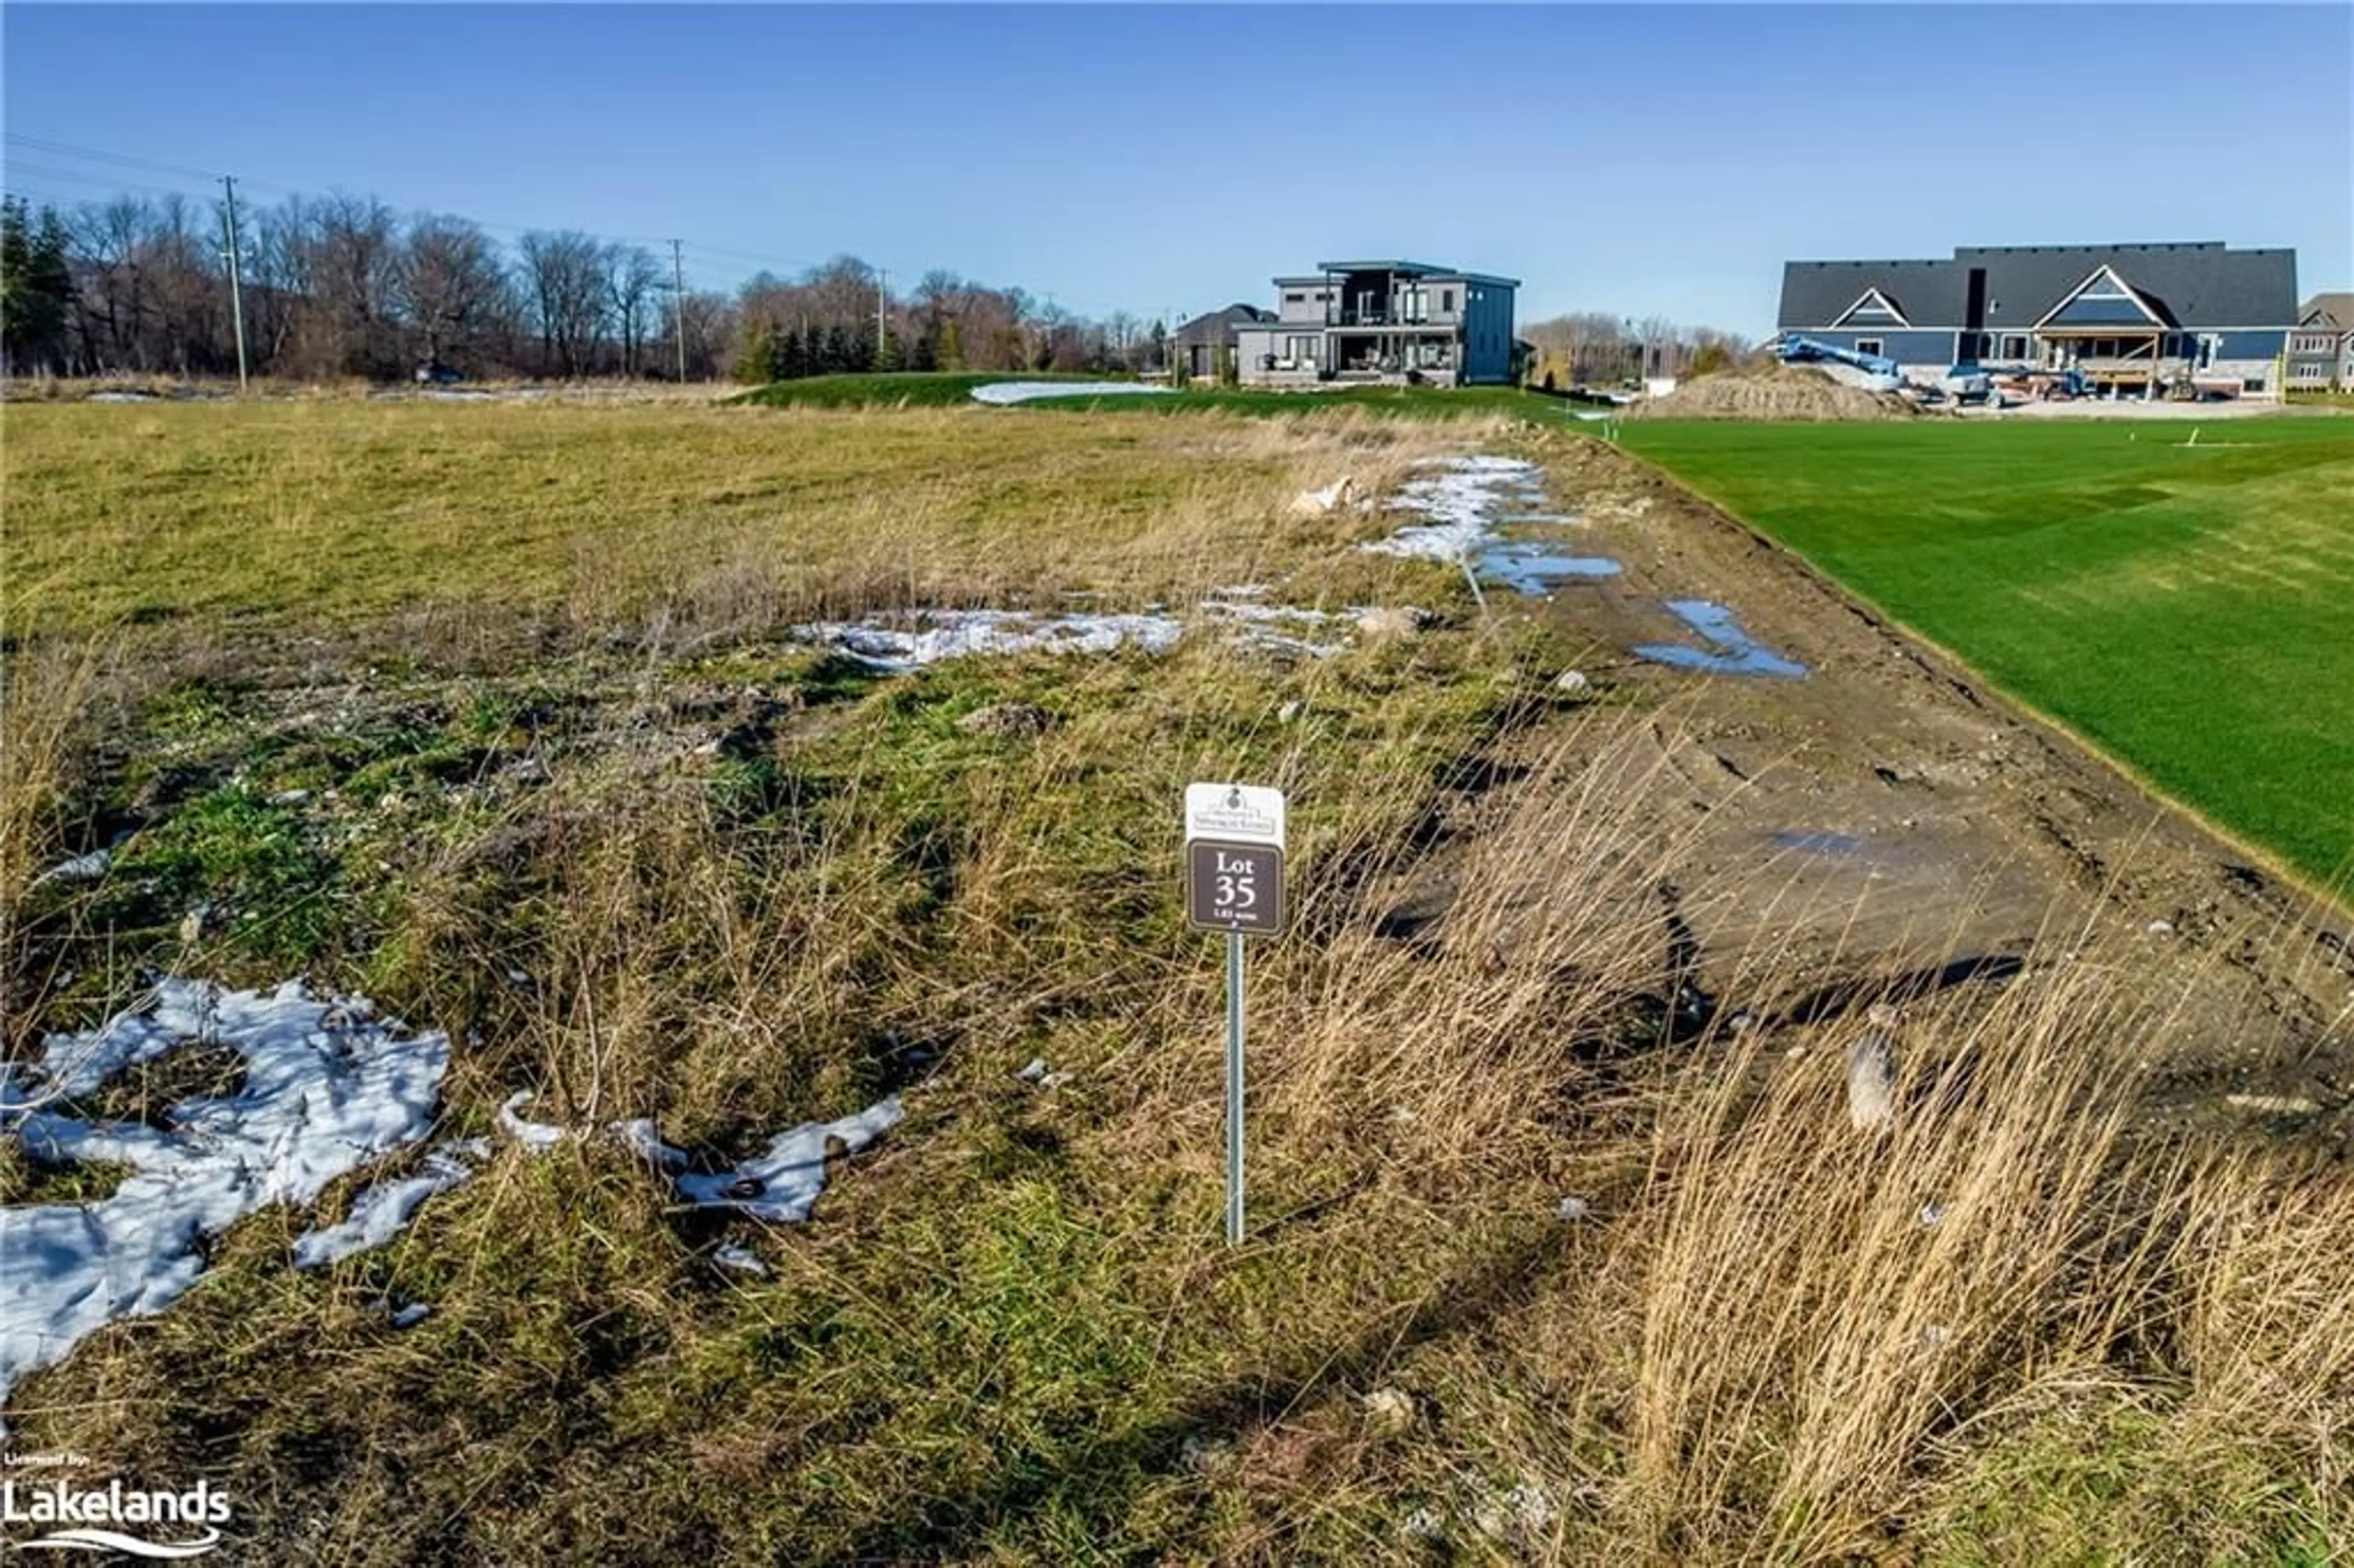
<point>449,285</point>
<point>632,283</point>
<point>565,276</point>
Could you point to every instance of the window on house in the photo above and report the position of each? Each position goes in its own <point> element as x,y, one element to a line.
<point>1446,300</point>
<point>2014,345</point>
<point>1867,345</point>
<point>1295,299</point>
<point>1301,348</point>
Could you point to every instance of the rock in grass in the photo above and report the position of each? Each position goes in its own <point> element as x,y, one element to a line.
<point>1007,718</point>
<point>1316,503</point>
<point>1571,680</point>
<point>1387,621</point>
<point>1871,1078</point>
<point>1389,1411</point>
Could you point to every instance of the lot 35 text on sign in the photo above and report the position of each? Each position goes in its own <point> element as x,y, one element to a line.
<point>1233,887</point>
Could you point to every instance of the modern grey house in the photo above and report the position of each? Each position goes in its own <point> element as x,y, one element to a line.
<point>1196,343</point>
<point>2134,318</point>
<point>1382,321</point>
<point>2321,348</point>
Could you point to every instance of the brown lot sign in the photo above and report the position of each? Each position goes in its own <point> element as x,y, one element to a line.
<point>1233,887</point>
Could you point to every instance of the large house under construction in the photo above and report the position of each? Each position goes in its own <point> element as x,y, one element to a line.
<point>2135,319</point>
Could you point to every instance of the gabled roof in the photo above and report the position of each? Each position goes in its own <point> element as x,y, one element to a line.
<point>1220,324</point>
<point>1818,293</point>
<point>2327,310</point>
<point>2105,300</point>
<point>2194,282</point>
<point>1872,308</point>
<point>2191,283</point>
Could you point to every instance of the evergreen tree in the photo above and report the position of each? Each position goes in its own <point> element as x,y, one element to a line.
<point>756,364</point>
<point>36,289</point>
<point>840,353</point>
<point>886,351</point>
<point>951,346</point>
<point>928,352</point>
<point>792,355</point>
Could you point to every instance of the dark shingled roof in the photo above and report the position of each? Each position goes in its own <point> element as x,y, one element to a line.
<point>2191,284</point>
<point>1218,326</point>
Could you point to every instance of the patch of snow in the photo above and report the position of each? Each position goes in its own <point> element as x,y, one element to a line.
<point>327,1089</point>
<point>77,868</point>
<point>1002,393</point>
<point>928,636</point>
<point>640,1137</point>
<point>535,1136</point>
<point>1572,1208</point>
<point>1462,502</point>
<point>743,1260</point>
<point>379,1213</point>
<point>1034,1071</point>
<point>784,1183</point>
<point>409,1317</point>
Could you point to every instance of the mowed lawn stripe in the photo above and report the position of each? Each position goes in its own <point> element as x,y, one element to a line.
<point>2188,607</point>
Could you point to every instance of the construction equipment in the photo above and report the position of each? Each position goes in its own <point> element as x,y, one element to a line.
<point>1883,371</point>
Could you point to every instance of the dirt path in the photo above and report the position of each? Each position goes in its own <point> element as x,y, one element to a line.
<point>1883,824</point>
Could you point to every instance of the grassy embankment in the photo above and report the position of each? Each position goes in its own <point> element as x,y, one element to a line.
<point>929,389</point>
<point>485,711</point>
<point>2189,606</point>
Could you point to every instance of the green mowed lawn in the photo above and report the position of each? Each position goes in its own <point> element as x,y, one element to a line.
<point>2190,606</point>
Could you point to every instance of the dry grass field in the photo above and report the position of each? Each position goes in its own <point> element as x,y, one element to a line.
<point>497,716</point>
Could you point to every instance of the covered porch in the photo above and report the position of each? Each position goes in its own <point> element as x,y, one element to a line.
<point>1359,355</point>
<point>2117,359</point>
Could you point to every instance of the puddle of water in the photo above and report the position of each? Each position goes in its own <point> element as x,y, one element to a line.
<point>1732,652</point>
<point>1526,569</point>
<point>1816,842</point>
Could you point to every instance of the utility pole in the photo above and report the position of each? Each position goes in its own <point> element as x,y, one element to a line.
<point>882,296</point>
<point>678,307</point>
<point>235,277</point>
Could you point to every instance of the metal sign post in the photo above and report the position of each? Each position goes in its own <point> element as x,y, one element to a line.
<point>1234,883</point>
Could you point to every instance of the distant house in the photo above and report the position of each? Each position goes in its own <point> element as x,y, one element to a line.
<point>1383,322</point>
<point>1196,343</point>
<point>2321,348</point>
<point>2134,318</point>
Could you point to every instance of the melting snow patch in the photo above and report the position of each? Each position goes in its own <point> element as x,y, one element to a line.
<point>1466,503</point>
<point>535,1136</point>
<point>79,868</point>
<point>784,1183</point>
<point>326,1090</point>
<point>1732,652</point>
<point>930,636</point>
<point>743,1260</point>
<point>1004,392</point>
<point>409,1317</point>
<point>379,1213</point>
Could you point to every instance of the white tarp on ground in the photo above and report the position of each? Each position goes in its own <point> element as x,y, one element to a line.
<point>327,1088</point>
<point>1004,392</point>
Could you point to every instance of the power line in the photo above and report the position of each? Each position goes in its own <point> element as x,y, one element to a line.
<point>91,155</point>
<point>97,155</point>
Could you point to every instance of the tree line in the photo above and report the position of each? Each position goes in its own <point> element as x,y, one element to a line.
<point>1591,348</point>
<point>344,286</point>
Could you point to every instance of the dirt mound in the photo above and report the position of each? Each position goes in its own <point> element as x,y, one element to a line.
<point>1781,392</point>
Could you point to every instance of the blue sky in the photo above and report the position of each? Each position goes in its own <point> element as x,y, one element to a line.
<point>1632,159</point>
